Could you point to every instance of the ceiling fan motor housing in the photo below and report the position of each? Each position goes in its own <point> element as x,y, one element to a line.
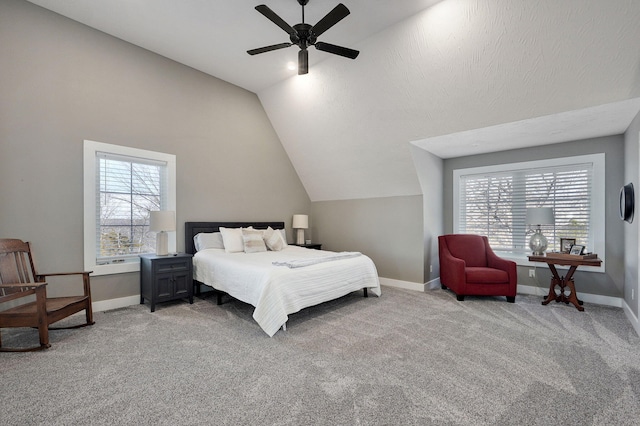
<point>304,36</point>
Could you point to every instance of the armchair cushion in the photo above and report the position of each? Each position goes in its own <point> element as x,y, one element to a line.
<point>480,275</point>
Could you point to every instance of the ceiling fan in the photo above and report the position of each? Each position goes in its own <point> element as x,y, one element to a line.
<point>304,35</point>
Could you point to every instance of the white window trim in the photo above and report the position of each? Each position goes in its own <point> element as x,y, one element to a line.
<point>90,150</point>
<point>597,206</point>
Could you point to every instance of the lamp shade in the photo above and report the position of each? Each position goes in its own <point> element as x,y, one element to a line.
<point>164,220</point>
<point>300,221</point>
<point>540,216</point>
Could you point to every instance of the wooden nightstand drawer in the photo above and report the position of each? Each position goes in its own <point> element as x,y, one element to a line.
<point>173,265</point>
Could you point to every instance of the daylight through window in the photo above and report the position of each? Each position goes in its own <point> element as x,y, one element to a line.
<point>493,201</point>
<point>129,189</point>
<point>122,186</point>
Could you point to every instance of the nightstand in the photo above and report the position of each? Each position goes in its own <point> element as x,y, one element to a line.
<point>310,246</point>
<point>164,278</point>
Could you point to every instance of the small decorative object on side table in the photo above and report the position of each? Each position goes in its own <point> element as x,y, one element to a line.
<point>314,246</point>
<point>164,278</point>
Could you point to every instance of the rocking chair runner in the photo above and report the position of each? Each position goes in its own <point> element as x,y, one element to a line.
<point>18,279</point>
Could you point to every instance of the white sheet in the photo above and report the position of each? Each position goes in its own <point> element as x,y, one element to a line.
<point>276,291</point>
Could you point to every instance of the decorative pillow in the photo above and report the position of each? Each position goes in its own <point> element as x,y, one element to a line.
<point>283,232</point>
<point>273,239</point>
<point>232,239</point>
<point>208,240</point>
<point>253,242</point>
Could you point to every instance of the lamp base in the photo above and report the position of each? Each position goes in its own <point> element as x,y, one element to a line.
<point>300,237</point>
<point>538,243</point>
<point>162,243</point>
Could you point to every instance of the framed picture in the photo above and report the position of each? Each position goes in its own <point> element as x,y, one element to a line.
<point>575,249</point>
<point>566,243</point>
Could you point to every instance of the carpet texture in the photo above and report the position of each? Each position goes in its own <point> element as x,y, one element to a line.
<point>406,358</point>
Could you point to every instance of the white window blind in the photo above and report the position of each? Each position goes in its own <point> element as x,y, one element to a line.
<point>121,186</point>
<point>129,188</point>
<point>495,204</point>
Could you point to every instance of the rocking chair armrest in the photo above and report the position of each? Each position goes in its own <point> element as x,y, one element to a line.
<point>19,285</point>
<point>34,288</point>
<point>40,276</point>
<point>85,279</point>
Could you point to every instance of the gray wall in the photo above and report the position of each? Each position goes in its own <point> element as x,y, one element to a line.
<point>63,82</point>
<point>389,230</point>
<point>610,283</point>
<point>430,173</point>
<point>631,230</point>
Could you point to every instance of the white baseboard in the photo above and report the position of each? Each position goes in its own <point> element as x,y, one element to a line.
<point>617,302</point>
<point>122,302</point>
<point>631,317</point>
<point>586,297</point>
<point>408,285</point>
<point>433,284</point>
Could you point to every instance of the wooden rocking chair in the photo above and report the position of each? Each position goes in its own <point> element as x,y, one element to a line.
<point>18,279</point>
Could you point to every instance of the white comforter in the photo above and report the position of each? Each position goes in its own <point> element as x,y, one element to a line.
<point>276,291</point>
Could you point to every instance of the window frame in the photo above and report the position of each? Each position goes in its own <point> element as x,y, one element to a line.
<point>91,177</point>
<point>598,199</point>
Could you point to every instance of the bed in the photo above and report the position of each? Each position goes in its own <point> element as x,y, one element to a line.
<point>276,282</point>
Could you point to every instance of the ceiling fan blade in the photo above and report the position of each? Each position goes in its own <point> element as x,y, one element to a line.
<point>337,50</point>
<point>303,61</point>
<point>273,17</point>
<point>268,48</point>
<point>330,19</point>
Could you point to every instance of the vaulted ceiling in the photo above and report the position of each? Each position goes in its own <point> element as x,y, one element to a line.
<point>454,77</point>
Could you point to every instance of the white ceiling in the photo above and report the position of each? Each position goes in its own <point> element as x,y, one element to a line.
<point>213,36</point>
<point>601,120</point>
<point>454,77</point>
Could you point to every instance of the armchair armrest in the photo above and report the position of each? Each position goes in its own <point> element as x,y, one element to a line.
<point>455,262</point>
<point>451,268</point>
<point>493,261</point>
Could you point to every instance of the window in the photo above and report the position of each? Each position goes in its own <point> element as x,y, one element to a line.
<point>493,201</point>
<point>121,186</point>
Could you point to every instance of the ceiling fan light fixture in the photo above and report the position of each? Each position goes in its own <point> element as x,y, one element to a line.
<point>303,62</point>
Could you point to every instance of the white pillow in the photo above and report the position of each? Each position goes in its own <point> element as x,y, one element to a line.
<point>208,240</point>
<point>283,232</point>
<point>253,242</point>
<point>232,239</point>
<point>273,239</point>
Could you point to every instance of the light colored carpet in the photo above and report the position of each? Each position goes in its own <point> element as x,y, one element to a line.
<point>405,358</point>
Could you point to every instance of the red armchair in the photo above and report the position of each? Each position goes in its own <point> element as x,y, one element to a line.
<point>469,267</point>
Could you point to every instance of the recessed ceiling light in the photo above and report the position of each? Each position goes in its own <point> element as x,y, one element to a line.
<point>291,66</point>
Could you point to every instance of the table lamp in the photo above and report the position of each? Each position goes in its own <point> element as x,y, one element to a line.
<point>539,216</point>
<point>300,222</point>
<point>162,222</point>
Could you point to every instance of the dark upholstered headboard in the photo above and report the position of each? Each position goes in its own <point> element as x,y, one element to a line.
<point>191,229</point>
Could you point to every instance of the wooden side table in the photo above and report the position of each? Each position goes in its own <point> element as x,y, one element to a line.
<point>566,281</point>
<point>164,278</point>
